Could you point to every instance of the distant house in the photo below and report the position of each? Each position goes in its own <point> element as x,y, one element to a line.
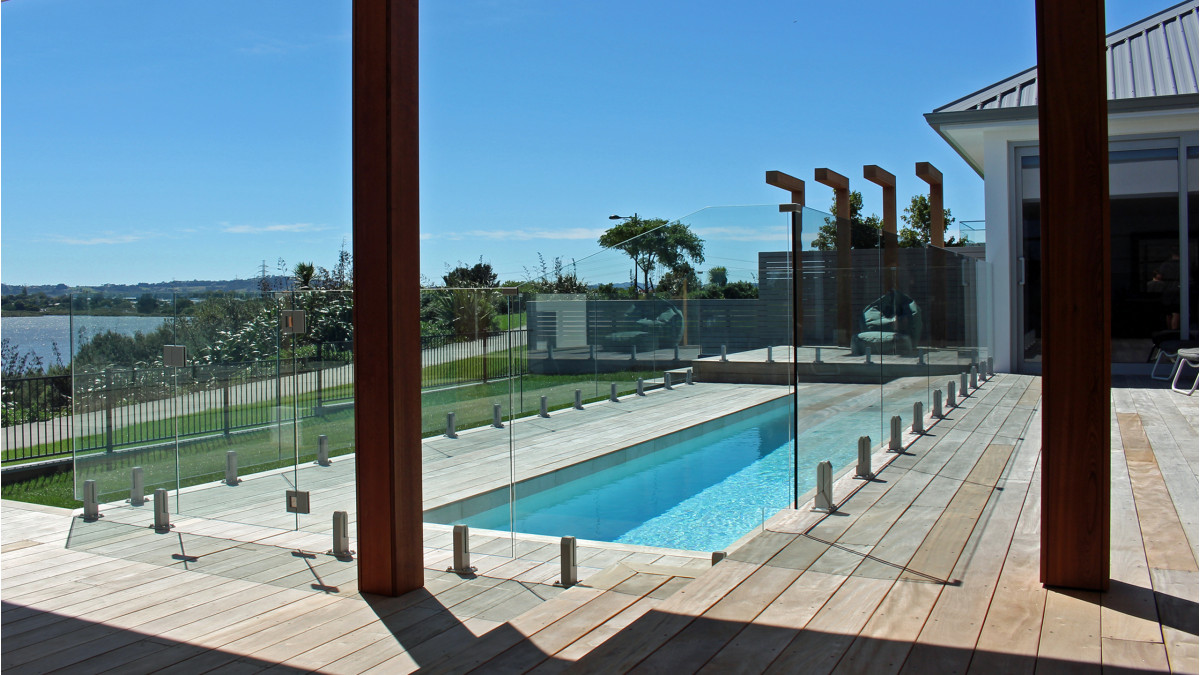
<point>1152,126</point>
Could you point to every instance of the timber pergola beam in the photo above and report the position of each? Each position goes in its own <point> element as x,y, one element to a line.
<point>891,253</point>
<point>1076,293</point>
<point>795,188</point>
<point>841,196</point>
<point>937,213</point>
<point>792,184</point>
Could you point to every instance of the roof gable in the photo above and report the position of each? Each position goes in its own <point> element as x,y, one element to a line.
<point>1153,57</point>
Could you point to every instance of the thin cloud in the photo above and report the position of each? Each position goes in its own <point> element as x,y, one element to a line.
<point>571,233</point>
<point>741,234</point>
<point>107,239</point>
<point>267,229</point>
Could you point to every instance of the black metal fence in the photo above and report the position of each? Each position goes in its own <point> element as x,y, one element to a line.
<point>449,360</point>
<point>36,417</point>
<point>118,407</point>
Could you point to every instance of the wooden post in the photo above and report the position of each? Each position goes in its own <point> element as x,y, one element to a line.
<point>387,411</point>
<point>795,188</point>
<point>937,214</point>
<point>936,259</point>
<point>891,251</point>
<point>841,195</point>
<point>1076,300</point>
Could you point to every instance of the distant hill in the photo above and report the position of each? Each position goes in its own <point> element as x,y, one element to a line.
<point>194,287</point>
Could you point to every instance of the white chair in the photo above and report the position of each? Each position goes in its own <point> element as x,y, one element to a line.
<point>1168,354</point>
<point>1191,357</point>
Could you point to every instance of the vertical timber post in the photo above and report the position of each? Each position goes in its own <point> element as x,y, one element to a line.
<point>795,188</point>
<point>937,240</point>
<point>387,414</point>
<point>841,195</point>
<point>891,245</point>
<point>1076,300</point>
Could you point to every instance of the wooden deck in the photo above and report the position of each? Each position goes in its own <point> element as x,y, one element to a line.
<point>933,567</point>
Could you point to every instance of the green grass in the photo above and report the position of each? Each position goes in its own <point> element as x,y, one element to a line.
<point>52,490</point>
<point>454,372</point>
<point>472,404</point>
<point>257,414</point>
<point>201,458</point>
<point>510,321</point>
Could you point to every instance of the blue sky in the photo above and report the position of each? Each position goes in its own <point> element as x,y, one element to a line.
<point>151,141</point>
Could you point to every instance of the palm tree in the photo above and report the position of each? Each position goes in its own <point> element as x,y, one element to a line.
<point>303,275</point>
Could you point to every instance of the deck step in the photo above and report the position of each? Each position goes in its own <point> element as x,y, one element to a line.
<point>553,635</point>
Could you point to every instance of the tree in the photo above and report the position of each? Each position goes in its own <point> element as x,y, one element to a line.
<point>740,290</point>
<point>479,275</point>
<point>916,217</point>
<point>650,241</point>
<point>676,281</point>
<point>146,304</point>
<point>553,278</point>
<point>864,232</point>
<point>465,313</point>
<point>718,276</point>
<point>303,275</point>
<point>341,277</point>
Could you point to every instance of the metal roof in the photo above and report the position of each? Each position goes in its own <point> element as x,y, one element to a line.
<point>1153,57</point>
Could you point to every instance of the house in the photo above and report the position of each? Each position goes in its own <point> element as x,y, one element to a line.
<point>1152,128</point>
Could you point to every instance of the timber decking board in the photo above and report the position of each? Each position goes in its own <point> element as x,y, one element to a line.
<point>812,591</point>
<point>1161,527</point>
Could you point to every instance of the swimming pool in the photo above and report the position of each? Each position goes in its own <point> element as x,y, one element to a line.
<point>698,489</point>
<point>690,494</point>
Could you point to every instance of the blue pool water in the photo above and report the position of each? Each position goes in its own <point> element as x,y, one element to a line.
<point>701,494</point>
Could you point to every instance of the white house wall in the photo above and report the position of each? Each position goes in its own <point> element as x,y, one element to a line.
<point>995,144</point>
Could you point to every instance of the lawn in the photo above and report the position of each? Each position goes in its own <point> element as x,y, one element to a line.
<point>202,423</point>
<point>510,321</point>
<point>265,444</point>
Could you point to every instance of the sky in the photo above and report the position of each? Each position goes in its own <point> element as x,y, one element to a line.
<point>148,141</point>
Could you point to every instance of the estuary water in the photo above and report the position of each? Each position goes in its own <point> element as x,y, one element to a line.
<point>39,334</point>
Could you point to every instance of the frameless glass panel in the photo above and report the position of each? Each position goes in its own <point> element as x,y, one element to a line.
<point>237,441</point>
<point>1029,263</point>
<point>1146,273</point>
<point>1145,222</point>
<point>472,357</point>
<point>653,466</point>
<point>904,308</point>
<point>318,336</point>
<point>1190,254</point>
<point>124,398</point>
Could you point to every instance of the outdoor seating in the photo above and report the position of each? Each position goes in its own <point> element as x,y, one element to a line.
<point>1168,350</point>
<point>648,325</point>
<point>1191,358</point>
<point>890,325</point>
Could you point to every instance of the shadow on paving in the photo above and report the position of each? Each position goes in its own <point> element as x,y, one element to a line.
<point>666,642</point>
<point>87,646</point>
